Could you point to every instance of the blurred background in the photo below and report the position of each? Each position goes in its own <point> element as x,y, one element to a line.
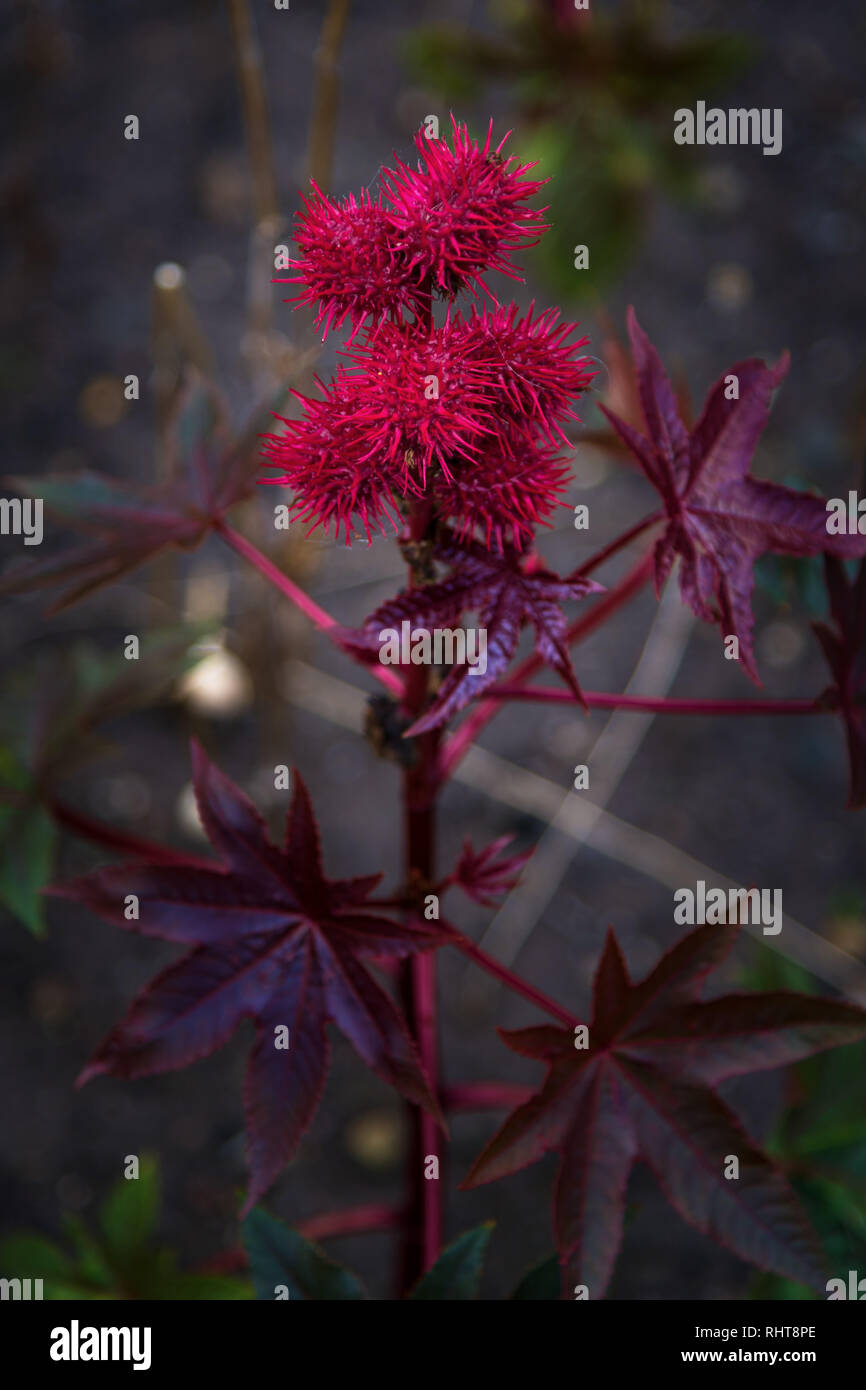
<point>153,256</point>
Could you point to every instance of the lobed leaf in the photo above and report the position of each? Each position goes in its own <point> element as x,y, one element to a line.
<point>457,1272</point>
<point>643,1090</point>
<point>280,1256</point>
<point>273,940</point>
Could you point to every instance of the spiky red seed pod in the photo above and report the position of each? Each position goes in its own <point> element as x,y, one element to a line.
<point>339,479</point>
<point>424,407</point>
<point>504,494</point>
<point>526,365</point>
<point>469,414</point>
<point>463,210</point>
<point>350,266</point>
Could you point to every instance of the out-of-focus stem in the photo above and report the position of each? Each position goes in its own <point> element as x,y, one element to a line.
<point>326,93</point>
<point>255,104</point>
<point>259,347</point>
<point>177,338</point>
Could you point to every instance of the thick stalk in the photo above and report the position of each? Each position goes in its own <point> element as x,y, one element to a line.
<point>422,1233</point>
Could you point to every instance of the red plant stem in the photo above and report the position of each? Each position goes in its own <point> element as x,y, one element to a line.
<point>484,1095</point>
<point>350,1221</point>
<point>292,591</point>
<point>422,1233</point>
<point>466,735</point>
<point>601,556</point>
<point>630,584</point>
<point>507,977</point>
<point>597,699</point>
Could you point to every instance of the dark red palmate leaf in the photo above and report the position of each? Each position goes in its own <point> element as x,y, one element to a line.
<point>644,1089</point>
<point>274,941</point>
<point>122,526</point>
<point>720,520</point>
<point>506,593</point>
<point>845,650</point>
<point>485,875</point>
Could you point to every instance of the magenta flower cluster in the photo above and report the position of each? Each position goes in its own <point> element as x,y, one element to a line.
<point>466,414</point>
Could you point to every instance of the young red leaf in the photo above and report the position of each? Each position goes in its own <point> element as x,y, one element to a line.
<point>485,876</point>
<point>643,1089</point>
<point>845,650</point>
<point>274,941</point>
<point>506,594</point>
<point>720,519</point>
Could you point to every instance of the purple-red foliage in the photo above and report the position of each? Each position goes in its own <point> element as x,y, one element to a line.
<point>486,875</point>
<point>462,423</point>
<point>720,520</point>
<point>643,1089</point>
<point>273,940</point>
<point>507,591</point>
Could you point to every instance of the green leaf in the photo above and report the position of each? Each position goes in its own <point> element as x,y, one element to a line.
<point>450,61</point>
<point>770,970</point>
<point>281,1257</point>
<point>542,1281</point>
<point>774,1289</point>
<point>28,1256</point>
<point>128,1215</point>
<point>93,1269</point>
<point>28,838</point>
<point>457,1272</point>
<point>841,1204</point>
<point>121,1262</point>
<point>595,198</point>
